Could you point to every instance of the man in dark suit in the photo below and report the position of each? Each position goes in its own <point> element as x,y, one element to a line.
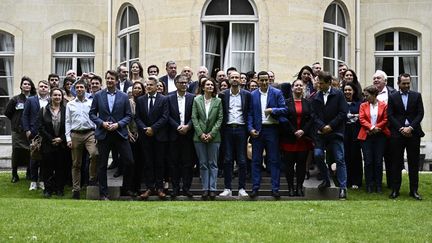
<point>330,109</point>
<point>235,104</point>
<point>193,86</point>
<point>181,137</point>
<point>151,119</point>
<point>123,82</point>
<point>168,79</point>
<point>405,113</point>
<point>111,112</point>
<point>266,103</point>
<point>30,126</point>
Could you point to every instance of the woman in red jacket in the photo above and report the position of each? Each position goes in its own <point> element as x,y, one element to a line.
<point>373,133</point>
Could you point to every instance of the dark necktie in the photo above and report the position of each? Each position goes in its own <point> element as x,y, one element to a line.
<point>151,103</point>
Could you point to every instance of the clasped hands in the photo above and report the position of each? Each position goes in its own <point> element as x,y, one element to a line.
<point>206,137</point>
<point>110,126</point>
<point>406,131</point>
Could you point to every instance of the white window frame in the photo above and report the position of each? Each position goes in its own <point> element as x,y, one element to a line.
<point>126,32</point>
<point>396,53</point>
<point>8,54</point>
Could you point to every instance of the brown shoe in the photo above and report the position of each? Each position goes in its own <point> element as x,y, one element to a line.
<point>145,195</point>
<point>161,194</point>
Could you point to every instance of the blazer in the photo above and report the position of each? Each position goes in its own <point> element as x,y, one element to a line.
<point>121,113</point>
<point>127,84</point>
<point>14,110</point>
<point>275,100</point>
<point>29,117</point>
<point>245,103</point>
<point>174,114</point>
<point>46,129</point>
<point>397,114</point>
<point>157,118</point>
<point>202,124</point>
<point>192,88</point>
<point>288,124</point>
<point>333,113</point>
<point>365,119</point>
<point>165,80</point>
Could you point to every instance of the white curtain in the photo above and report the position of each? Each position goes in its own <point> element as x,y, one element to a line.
<point>243,47</point>
<point>7,45</point>
<point>86,44</point>
<point>62,65</point>
<point>379,42</point>
<point>211,45</point>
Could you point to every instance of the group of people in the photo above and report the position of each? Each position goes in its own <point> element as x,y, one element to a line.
<point>158,129</point>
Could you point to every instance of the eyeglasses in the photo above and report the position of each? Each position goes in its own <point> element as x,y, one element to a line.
<point>182,83</point>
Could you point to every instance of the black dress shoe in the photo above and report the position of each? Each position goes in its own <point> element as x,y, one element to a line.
<point>394,194</point>
<point>276,195</point>
<point>187,193</point>
<point>117,174</point>
<point>415,195</point>
<point>112,166</point>
<point>15,179</point>
<point>299,191</point>
<point>291,192</point>
<point>212,195</point>
<point>76,195</point>
<point>253,194</point>
<point>342,194</point>
<point>369,189</point>
<point>47,194</point>
<point>205,195</point>
<point>324,184</point>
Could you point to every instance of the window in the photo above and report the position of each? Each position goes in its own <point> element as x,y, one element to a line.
<point>128,36</point>
<point>398,52</point>
<point>229,35</point>
<point>7,48</point>
<point>73,51</point>
<point>335,44</point>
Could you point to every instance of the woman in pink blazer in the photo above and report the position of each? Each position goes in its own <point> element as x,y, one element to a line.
<point>373,133</point>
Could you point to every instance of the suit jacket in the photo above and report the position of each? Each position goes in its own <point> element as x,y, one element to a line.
<point>30,114</point>
<point>46,129</point>
<point>286,90</point>
<point>127,84</point>
<point>333,113</point>
<point>245,103</point>
<point>202,124</point>
<point>192,88</point>
<point>14,110</point>
<point>365,119</point>
<point>157,118</point>
<point>397,114</point>
<point>275,100</point>
<point>289,121</point>
<point>174,114</point>
<point>121,113</point>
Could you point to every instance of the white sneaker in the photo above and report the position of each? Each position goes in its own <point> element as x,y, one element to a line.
<point>242,193</point>
<point>226,193</point>
<point>33,186</point>
<point>41,185</point>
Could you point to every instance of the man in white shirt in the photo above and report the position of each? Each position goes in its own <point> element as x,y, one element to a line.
<point>171,69</point>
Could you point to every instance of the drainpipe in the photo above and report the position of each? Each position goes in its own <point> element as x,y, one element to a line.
<point>357,37</point>
<point>109,37</point>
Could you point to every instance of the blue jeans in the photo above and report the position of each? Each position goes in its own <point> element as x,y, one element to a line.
<point>208,156</point>
<point>373,152</point>
<point>235,142</point>
<point>336,146</point>
<point>268,139</point>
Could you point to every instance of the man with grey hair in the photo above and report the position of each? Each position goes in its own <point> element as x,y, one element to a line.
<point>202,72</point>
<point>168,79</point>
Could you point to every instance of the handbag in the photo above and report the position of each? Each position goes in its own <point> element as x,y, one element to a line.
<point>35,148</point>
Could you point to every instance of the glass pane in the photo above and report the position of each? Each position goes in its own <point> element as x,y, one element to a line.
<point>243,37</point>
<point>62,65</point>
<point>407,42</point>
<point>85,65</point>
<point>217,7</point>
<point>244,62</point>
<point>241,7</point>
<point>212,62</point>
<point>6,66</point>
<point>134,45</point>
<point>330,14</point>
<point>341,47</point>
<point>5,126</point>
<point>123,20</point>
<point>6,42</point>
<point>5,87</point>
<point>123,49</point>
<point>408,65</point>
<point>85,43</point>
<point>64,43</point>
<point>329,66</point>
<point>328,47</point>
<point>385,64</point>
<point>213,35</point>
<point>390,81</point>
<point>340,17</point>
<point>385,42</point>
<point>133,17</point>
<point>414,84</point>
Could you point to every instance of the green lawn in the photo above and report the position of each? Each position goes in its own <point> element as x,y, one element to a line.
<point>26,216</point>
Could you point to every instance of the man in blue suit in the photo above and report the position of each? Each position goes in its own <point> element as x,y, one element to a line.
<point>331,110</point>
<point>266,104</point>
<point>111,112</point>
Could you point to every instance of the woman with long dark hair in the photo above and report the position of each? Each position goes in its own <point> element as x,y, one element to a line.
<point>136,72</point>
<point>306,75</point>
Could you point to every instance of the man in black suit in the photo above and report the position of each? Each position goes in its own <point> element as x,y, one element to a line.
<point>151,119</point>
<point>330,109</point>
<point>168,79</point>
<point>181,137</point>
<point>405,113</point>
<point>123,83</point>
<point>111,112</point>
<point>235,104</point>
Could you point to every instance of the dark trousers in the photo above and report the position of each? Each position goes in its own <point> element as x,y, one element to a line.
<point>53,170</point>
<point>34,170</point>
<point>181,162</point>
<point>20,156</point>
<point>297,159</point>
<point>235,145</point>
<point>353,157</point>
<point>388,158</point>
<point>113,139</point>
<point>154,154</point>
<point>373,152</point>
<point>412,146</point>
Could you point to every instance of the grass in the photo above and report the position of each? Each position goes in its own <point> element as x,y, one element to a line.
<point>26,217</point>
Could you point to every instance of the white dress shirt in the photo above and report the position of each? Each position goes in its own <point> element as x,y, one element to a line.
<point>181,100</point>
<point>77,116</point>
<point>235,113</point>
